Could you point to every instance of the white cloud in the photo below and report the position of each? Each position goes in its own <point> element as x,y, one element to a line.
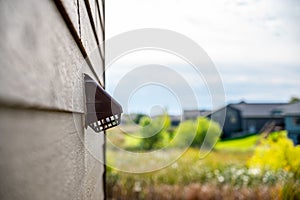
<point>228,30</point>
<point>255,44</point>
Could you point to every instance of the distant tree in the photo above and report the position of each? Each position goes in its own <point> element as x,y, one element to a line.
<point>153,131</point>
<point>294,100</point>
<point>138,117</point>
<point>194,133</point>
<point>208,132</point>
<point>184,134</point>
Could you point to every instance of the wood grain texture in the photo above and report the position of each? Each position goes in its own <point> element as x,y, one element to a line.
<point>94,163</point>
<point>38,57</point>
<point>43,144</point>
<point>45,155</point>
<point>99,23</point>
<point>101,9</point>
<point>72,9</point>
<point>93,6</point>
<point>89,42</point>
<point>34,42</point>
<point>97,13</point>
<point>42,155</point>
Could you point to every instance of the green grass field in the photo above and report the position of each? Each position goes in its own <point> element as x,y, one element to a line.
<point>218,176</point>
<point>242,144</point>
<point>223,174</point>
<point>128,141</point>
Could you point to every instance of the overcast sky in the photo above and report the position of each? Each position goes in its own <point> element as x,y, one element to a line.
<point>255,44</point>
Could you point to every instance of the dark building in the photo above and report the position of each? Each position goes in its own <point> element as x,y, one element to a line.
<point>249,118</point>
<point>193,114</point>
<point>291,114</point>
<point>175,120</point>
<point>243,118</point>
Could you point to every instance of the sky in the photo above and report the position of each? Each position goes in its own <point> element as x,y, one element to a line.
<point>254,44</point>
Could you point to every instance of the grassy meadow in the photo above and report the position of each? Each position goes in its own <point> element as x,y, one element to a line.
<point>229,171</point>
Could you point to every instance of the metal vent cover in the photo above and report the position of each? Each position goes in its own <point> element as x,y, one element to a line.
<point>102,110</point>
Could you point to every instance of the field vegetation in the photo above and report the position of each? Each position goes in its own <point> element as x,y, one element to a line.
<point>246,168</point>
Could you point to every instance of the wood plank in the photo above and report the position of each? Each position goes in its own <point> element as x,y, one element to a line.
<point>72,7</point>
<point>46,155</point>
<point>89,42</point>
<point>38,57</point>
<point>40,62</point>
<point>94,164</point>
<point>98,22</point>
<point>93,182</point>
<point>101,9</point>
<point>42,155</point>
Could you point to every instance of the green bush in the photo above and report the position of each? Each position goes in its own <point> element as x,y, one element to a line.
<point>184,134</point>
<point>154,132</point>
<point>197,133</point>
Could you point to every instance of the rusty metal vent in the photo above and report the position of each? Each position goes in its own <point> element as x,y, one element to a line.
<point>102,111</point>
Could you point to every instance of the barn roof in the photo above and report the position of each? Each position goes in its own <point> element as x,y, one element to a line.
<point>259,109</point>
<point>292,109</point>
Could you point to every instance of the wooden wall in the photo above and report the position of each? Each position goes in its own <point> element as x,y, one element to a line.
<point>45,150</point>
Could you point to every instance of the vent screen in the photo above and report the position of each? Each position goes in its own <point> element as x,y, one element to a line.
<point>102,110</point>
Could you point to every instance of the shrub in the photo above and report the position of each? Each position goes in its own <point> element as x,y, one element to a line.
<point>154,131</point>
<point>276,152</point>
<point>184,134</point>
<point>208,133</point>
<point>197,133</point>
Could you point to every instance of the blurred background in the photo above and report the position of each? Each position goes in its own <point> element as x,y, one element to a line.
<point>255,47</point>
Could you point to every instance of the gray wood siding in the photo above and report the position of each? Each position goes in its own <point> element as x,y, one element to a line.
<point>42,156</point>
<point>46,153</point>
<point>89,41</point>
<point>38,56</point>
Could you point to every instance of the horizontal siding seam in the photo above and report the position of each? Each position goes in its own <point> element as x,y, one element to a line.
<point>20,106</point>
